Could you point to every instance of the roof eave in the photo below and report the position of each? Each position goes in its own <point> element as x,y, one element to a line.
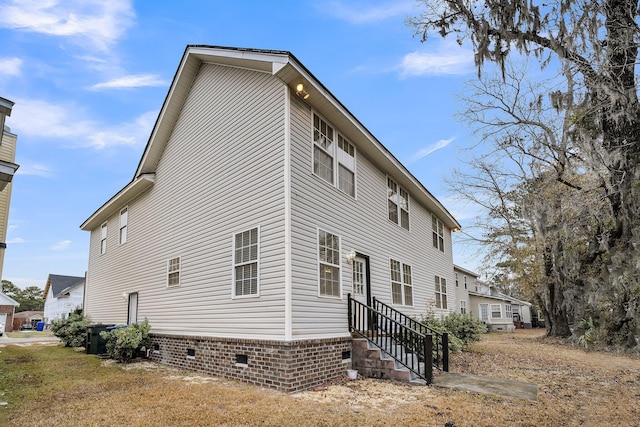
<point>134,189</point>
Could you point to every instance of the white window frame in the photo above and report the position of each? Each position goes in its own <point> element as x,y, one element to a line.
<point>465,282</point>
<point>493,311</point>
<point>177,271</point>
<point>404,281</point>
<point>437,229</point>
<point>341,151</point>
<point>456,280</point>
<point>440,284</point>
<point>255,261</point>
<point>325,264</point>
<point>395,197</point>
<point>104,231</point>
<point>484,315</point>
<point>463,307</point>
<point>124,221</point>
<point>508,311</point>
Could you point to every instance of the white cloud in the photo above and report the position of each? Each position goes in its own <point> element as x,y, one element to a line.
<point>34,169</point>
<point>61,245</point>
<point>131,81</point>
<point>447,58</point>
<point>97,21</point>
<point>364,13</point>
<point>10,66</point>
<point>430,149</point>
<point>67,122</point>
<point>16,240</point>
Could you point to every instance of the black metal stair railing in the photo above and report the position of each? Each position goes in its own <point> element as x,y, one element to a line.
<point>440,339</point>
<point>410,344</point>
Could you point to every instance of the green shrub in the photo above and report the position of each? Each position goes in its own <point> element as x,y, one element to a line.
<point>462,329</point>
<point>125,343</point>
<point>71,330</point>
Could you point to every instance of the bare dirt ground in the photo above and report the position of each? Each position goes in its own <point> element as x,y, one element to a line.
<point>576,388</point>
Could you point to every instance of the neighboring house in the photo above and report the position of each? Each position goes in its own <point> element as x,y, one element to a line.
<point>259,203</point>
<point>498,310</point>
<point>465,281</point>
<point>7,310</point>
<point>31,317</point>
<point>62,295</point>
<point>7,170</point>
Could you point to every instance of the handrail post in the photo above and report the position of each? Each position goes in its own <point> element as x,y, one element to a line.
<point>350,312</point>
<point>445,352</point>
<point>428,358</point>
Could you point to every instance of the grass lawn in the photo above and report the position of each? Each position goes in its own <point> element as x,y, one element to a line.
<point>51,385</point>
<point>29,334</point>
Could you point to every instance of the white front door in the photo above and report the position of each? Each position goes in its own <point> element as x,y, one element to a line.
<point>359,290</point>
<point>3,322</point>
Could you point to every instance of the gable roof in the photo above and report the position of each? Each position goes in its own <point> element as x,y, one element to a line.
<point>285,66</point>
<point>60,285</point>
<point>7,300</point>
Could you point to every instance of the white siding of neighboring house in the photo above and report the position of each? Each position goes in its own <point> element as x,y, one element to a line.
<point>221,173</point>
<point>363,225</point>
<point>461,293</point>
<point>57,308</point>
<point>503,323</point>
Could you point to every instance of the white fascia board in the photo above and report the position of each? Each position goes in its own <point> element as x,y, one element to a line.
<point>123,197</point>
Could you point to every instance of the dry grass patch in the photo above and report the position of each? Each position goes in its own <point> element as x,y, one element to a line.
<point>47,386</point>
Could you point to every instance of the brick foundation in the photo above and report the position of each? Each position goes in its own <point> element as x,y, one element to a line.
<point>285,366</point>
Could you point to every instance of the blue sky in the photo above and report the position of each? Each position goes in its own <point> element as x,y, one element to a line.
<point>88,78</point>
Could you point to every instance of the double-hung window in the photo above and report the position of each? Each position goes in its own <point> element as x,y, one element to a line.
<point>484,312</point>
<point>463,307</point>
<point>328,264</point>
<point>173,272</point>
<point>398,204</point>
<point>441,292</point>
<point>508,311</point>
<point>438,233</point>
<point>401,283</point>
<point>124,219</point>
<point>334,157</point>
<point>496,311</point>
<point>245,263</point>
<point>103,239</point>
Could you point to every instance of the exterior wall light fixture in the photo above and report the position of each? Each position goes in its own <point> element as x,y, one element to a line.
<point>301,92</point>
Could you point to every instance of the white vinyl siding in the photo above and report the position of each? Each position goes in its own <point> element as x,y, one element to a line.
<point>124,220</point>
<point>328,264</point>
<point>363,225</point>
<point>104,232</point>
<point>245,267</point>
<point>221,169</point>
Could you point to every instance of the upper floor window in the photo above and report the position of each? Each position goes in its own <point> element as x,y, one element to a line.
<point>245,263</point>
<point>438,233</point>
<point>124,218</point>
<point>103,239</point>
<point>328,264</point>
<point>398,202</point>
<point>441,292</point>
<point>173,272</point>
<point>456,280</point>
<point>401,283</point>
<point>333,157</point>
<point>465,282</point>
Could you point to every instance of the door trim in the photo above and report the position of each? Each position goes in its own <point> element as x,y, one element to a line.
<point>367,270</point>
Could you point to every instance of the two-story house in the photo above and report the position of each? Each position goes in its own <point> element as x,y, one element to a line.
<point>259,203</point>
<point>62,295</point>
